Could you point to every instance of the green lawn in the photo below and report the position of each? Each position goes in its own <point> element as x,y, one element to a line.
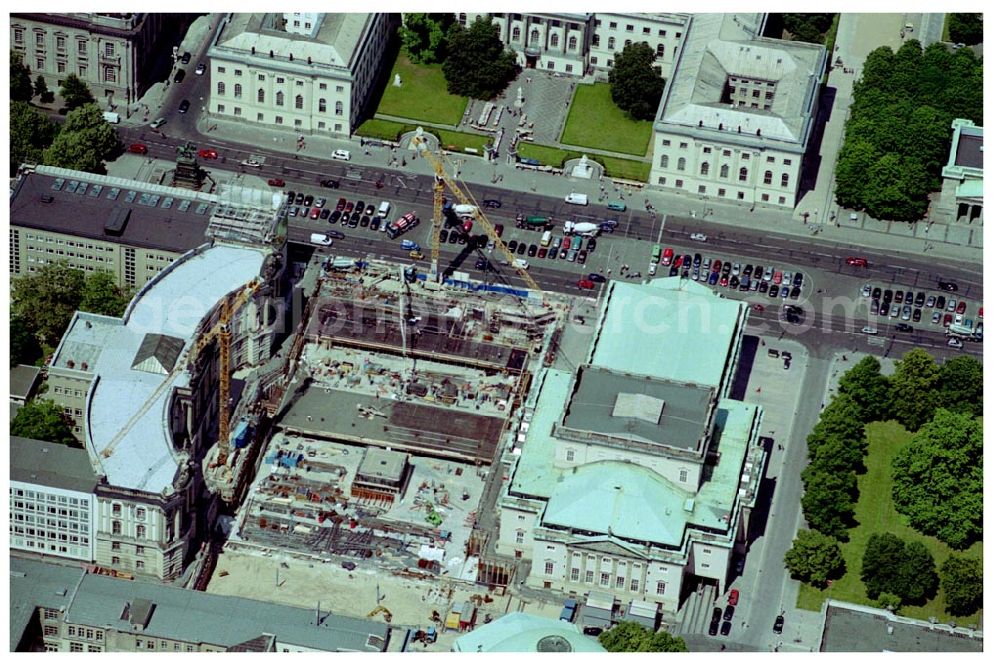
<point>614,167</point>
<point>389,130</point>
<point>876,513</point>
<point>459,141</point>
<point>595,122</point>
<point>423,95</point>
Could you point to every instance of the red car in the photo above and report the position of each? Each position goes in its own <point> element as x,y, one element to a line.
<point>724,281</point>
<point>668,256</point>
<point>980,313</point>
<point>776,278</point>
<point>208,154</point>
<point>341,204</point>
<point>275,182</point>
<point>961,307</point>
<point>857,261</point>
<point>947,320</point>
<point>585,284</point>
<point>717,265</point>
<point>467,224</point>
<point>734,597</point>
<point>315,213</point>
<point>138,148</point>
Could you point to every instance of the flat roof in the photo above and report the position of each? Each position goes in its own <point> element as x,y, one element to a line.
<point>412,425</point>
<point>669,329</point>
<point>35,584</point>
<point>388,465</point>
<point>22,380</point>
<point>681,410</point>
<point>853,628</point>
<point>172,304</point>
<point>335,43</point>
<point>86,337</point>
<point>712,54</point>
<point>523,632</point>
<point>85,211</point>
<point>970,150</point>
<point>51,465</point>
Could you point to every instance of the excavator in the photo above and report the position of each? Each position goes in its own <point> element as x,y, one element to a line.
<point>386,613</point>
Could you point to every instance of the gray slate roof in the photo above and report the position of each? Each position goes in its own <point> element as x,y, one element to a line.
<point>35,584</point>
<point>52,465</point>
<point>22,380</point>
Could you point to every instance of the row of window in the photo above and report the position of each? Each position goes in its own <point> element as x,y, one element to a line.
<point>723,171</point>
<point>279,98</point>
<point>279,120</point>
<point>69,253</point>
<point>53,536</point>
<point>613,25</point>
<point>48,497</point>
<point>70,242</point>
<point>740,195</point>
<point>596,43</point>
<point>116,510</point>
<point>81,42</point>
<point>707,150</point>
<point>221,69</point>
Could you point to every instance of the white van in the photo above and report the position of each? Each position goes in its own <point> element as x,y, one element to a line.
<point>112,117</point>
<point>320,239</point>
<point>383,209</point>
<point>341,154</point>
<point>464,209</point>
<point>576,199</point>
<point>546,239</point>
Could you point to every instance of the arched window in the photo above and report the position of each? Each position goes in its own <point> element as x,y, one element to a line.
<point>237,90</point>
<point>572,43</point>
<point>220,88</point>
<point>339,109</point>
<point>784,180</point>
<point>516,34</point>
<point>279,99</point>
<point>767,177</point>
<point>664,161</point>
<point>322,105</point>
<point>260,96</point>
<point>611,43</point>
<point>628,42</point>
<point>743,174</point>
<point>704,168</point>
<point>553,41</point>
<point>659,50</point>
<point>534,37</point>
<point>724,171</point>
<point>298,101</point>
<point>681,163</point>
<point>596,41</point>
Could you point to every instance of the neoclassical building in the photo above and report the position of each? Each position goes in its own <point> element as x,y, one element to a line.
<point>115,54</point>
<point>636,474</point>
<point>309,72</point>
<point>737,114</point>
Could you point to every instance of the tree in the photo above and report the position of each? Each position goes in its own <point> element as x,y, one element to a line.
<point>24,347</point>
<point>45,421</point>
<point>917,574</point>
<point>21,89</point>
<point>636,83</point>
<point>808,27</point>
<point>937,479</point>
<point>425,36</point>
<point>46,300</point>
<point>75,93</point>
<point>880,562</point>
<point>633,637</point>
<point>961,385</point>
<point>41,87</point>
<point>962,582</point>
<point>815,558</point>
<point>965,28</point>
<point>478,65</point>
<point>85,141</point>
<point>867,388</point>
<point>30,133</point>
<point>889,601</point>
<point>828,501</point>
<point>101,295</point>
<point>913,388</point>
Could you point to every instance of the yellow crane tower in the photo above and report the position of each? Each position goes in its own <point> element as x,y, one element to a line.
<point>441,179</point>
<point>223,333</point>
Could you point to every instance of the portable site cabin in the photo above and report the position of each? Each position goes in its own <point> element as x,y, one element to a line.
<point>645,613</point>
<point>598,610</point>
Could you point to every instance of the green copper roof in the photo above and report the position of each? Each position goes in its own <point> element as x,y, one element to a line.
<point>668,329</point>
<point>619,498</point>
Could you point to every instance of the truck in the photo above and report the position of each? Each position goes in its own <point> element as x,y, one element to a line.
<point>960,331</point>
<point>531,221</point>
<point>580,228</point>
<point>568,610</point>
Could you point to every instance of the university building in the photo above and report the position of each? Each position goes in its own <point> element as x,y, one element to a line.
<point>308,72</point>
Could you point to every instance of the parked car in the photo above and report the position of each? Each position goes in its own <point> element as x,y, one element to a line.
<point>186,58</point>
<point>179,76</point>
<point>159,122</point>
<point>183,108</point>
<point>779,624</point>
<point>726,628</point>
<point>734,597</point>
<point>200,69</point>
<point>341,154</point>
<point>730,611</point>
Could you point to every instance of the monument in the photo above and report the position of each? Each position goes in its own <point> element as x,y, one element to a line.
<point>187,173</point>
<point>583,169</point>
<point>397,81</point>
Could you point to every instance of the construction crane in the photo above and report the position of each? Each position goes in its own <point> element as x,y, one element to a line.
<point>442,179</point>
<point>223,333</point>
<point>438,221</point>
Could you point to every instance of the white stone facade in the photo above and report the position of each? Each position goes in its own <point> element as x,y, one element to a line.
<point>53,521</point>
